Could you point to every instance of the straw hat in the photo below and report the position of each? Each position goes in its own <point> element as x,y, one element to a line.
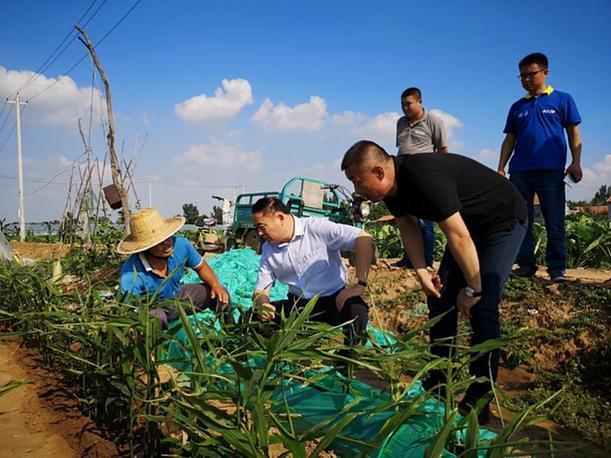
<point>148,228</point>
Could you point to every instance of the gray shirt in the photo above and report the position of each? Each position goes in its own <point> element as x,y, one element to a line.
<point>426,135</point>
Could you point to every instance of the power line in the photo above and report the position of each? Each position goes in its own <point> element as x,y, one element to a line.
<point>10,134</point>
<point>51,60</point>
<point>8,115</point>
<point>2,112</point>
<point>85,55</point>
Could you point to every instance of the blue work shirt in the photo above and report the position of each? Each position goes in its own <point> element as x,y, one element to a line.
<point>538,124</point>
<point>310,263</point>
<point>138,277</point>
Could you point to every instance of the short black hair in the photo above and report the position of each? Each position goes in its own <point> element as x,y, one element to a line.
<point>364,151</point>
<point>414,91</point>
<point>268,205</point>
<point>534,58</point>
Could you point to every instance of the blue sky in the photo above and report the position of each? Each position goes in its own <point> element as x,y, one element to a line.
<point>252,93</point>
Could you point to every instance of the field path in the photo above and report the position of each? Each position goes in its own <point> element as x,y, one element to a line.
<point>38,419</point>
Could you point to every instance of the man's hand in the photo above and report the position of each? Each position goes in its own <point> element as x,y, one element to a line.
<point>501,172</point>
<point>574,170</point>
<point>267,311</point>
<point>218,292</point>
<point>465,303</point>
<point>431,284</point>
<point>346,294</point>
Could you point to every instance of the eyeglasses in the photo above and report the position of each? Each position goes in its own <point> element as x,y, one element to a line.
<point>529,75</point>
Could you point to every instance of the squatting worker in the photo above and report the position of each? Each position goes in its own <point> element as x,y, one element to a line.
<point>304,253</point>
<point>484,219</point>
<point>157,264</point>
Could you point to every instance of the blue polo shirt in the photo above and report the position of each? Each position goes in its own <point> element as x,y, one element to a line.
<point>138,278</point>
<point>538,124</point>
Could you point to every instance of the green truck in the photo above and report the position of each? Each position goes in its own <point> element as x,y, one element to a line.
<point>304,197</point>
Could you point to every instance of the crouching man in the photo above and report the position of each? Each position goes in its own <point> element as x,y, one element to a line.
<point>484,219</point>
<point>157,264</point>
<point>304,253</point>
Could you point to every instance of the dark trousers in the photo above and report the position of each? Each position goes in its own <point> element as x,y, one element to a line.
<point>196,297</point>
<point>325,311</point>
<point>549,186</point>
<point>428,240</point>
<point>496,253</point>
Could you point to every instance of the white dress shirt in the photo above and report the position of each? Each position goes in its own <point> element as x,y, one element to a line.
<point>310,263</point>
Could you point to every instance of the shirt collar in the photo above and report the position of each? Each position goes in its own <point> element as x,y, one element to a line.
<point>424,116</point>
<point>298,230</point>
<point>548,91</point>
<point>145,262</point>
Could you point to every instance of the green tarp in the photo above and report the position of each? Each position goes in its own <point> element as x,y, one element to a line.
<point>237,270</point>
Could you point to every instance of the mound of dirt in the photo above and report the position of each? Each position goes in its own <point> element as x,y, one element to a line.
<point>40,251</point>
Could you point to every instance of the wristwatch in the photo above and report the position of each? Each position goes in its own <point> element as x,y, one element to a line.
<point>470,292</point>
<point>362,283</point>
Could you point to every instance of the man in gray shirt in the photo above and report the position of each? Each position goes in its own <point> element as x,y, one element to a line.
<point>420,132</point>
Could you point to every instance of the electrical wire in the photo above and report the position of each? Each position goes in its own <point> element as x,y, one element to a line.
<point>8,115</point>
<point>85,55</point>
<point>46,64</point>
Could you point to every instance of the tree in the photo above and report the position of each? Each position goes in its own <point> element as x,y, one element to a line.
<point>217,213</point>
<point>379,209</point>
<point>190,212</point>
<point>117,180</point>
<point>601,196</point>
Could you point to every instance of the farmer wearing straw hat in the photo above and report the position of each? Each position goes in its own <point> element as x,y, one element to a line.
<point>157,264</point>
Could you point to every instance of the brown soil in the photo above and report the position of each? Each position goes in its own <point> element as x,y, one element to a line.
<point>40,418</point>
<point>39,251</point>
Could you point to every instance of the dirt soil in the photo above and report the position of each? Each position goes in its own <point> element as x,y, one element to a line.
<point>39,419</point>
<point>40,251</point>
<point>400,306</point>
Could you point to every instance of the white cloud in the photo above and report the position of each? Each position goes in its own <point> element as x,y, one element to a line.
<point>450,122</point>
<point>489,157</point>
<point>596,175</point>
<point>224,104</point>
<point>361,124</point>
<point>219,155</point>
<point>348,118</point>
<point>309,116</point>
<point>382,124</point>
<point>61,105</point>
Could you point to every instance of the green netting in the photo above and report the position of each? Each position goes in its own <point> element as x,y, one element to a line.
<point>314,404</point>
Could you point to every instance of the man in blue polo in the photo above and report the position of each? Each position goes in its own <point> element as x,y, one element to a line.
<point>157,264</point>
<point>534,133</point>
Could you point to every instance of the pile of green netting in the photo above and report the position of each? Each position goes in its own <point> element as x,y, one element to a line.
<point>313,404</point>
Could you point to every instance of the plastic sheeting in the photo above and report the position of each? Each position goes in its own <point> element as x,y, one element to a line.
<point>237,271</point>
<point>6,251</point>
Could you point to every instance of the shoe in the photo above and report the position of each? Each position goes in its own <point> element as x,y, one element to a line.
<point>557,276</point>
<point>524,272</point>
<point>483,417</point>
<point>435,385</point>
<point>402,263</point>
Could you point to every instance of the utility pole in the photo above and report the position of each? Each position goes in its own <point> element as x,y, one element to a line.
<point>18,104</point>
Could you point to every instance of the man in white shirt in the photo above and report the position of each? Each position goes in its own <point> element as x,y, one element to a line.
<point>304,253</point>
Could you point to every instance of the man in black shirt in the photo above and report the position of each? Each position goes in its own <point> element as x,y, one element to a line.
<point>484,219</point>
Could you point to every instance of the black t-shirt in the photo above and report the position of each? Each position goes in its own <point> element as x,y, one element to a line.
<point>435,186</point>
